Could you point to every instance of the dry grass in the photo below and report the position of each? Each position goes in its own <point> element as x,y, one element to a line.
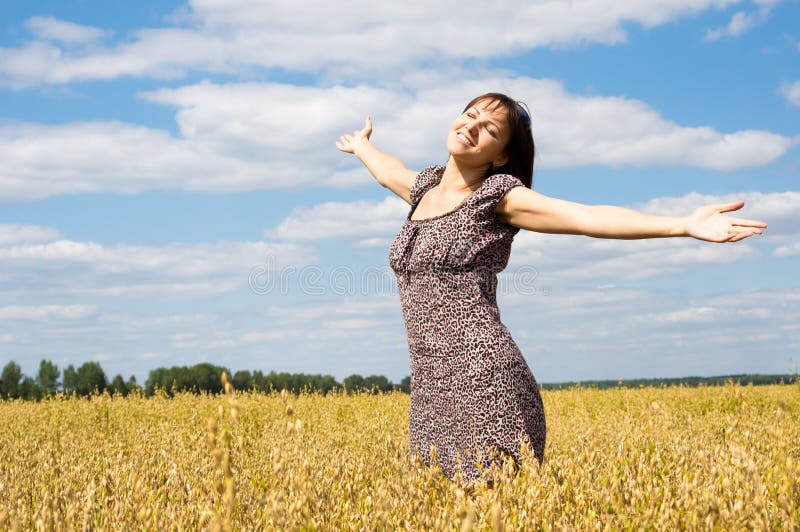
<point>719,458</point>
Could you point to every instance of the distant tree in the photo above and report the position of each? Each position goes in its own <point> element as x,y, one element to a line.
<point>354,382</point>
<point>48,376</point>
<point>118,385</point>
<point>155,379</point>
<point>70,378</point>
<point>132,384</point>
<point>207,377</point>
<point>30,390</point>
<point>325,383</point>
<point>242,380</point>
<point>9,380</point>
<point>405,384</point>
<point>377,383</point>
<point>200,377</point>
<point>91,378</point>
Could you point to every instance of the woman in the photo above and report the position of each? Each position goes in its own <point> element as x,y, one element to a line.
<point>473,397</point>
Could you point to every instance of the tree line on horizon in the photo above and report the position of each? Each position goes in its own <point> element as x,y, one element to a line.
<point>90,378</point>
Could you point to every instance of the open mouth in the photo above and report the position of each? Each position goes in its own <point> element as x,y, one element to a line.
<point>464,139</point>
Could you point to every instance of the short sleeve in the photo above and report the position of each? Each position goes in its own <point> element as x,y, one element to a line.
<point>424,180</point>
<point>495,188</point>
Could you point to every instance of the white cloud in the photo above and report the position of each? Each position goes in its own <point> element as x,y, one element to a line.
<point>742,21</point>
<point>770,206</point>
<point>791,92</point>
<point>574,130</point>
<point>152,355</point>
<point>52,29</point>
<point>44,312</point>
<point>571,257</point>
<point>707,314</point>
<point>788,250</point>
<point>778,209</point>
<point>336,220</point>
<point>103,357</point>
<point>562,258</point>
<point>223,36</point>
<point>19,233</point>
<point>191,270</point>
<point>250,136</point>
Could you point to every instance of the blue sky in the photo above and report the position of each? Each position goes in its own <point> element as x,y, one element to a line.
<point>156,158</point>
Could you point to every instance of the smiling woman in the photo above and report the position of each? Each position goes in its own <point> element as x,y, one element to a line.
<point>474,398</point>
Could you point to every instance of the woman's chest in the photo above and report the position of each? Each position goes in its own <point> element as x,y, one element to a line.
<point>446,243</point>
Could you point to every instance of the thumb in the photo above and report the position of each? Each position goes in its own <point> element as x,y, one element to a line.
<point>725,207</point>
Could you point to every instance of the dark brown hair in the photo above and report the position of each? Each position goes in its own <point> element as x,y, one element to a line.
<point>520,148</point>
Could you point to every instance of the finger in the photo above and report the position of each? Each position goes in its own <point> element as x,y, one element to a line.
<point>745,230</point>
<point>726,207</point>
<point>747,223</point>
<point>740,236</point>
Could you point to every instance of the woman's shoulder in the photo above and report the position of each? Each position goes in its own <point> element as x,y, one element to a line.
<point>501,183</point>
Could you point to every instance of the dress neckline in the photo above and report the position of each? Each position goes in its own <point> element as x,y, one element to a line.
<point>456,209</point>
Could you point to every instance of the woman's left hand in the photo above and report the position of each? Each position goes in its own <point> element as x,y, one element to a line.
<point>709,224</point>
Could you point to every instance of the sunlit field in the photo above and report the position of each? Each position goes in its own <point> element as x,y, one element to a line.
<point>709,457</point>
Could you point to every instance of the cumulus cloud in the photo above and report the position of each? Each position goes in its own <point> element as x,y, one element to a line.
<point>569,258</point>
<point>224,37</point>
<point>788,250</point>
<point>340,219</point>
<point>44,312</point>
<point>246,136</point>
<point>573,257</point>
<point>20,233</point>
<point>742,21</point>
<point>652,331</point>
<point>578,258</point>
<point>791,92</point>
<point>52,29</point>
<point>70,267</point>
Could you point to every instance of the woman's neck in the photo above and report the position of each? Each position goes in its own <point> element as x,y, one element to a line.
<point>460,177</point>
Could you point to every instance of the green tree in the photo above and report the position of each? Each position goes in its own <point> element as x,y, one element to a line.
<point>91,378</point>
<point>9,380</point>
<point>377,382</point>
<point>70,379</point>
<point>29,389</point>
<point>405,384</point>
<point>132,384</point>
<point>118,385</point>
<point>354,382</point>
<point>200,377</point>
<point>242,380</point>
<point>48,376</point>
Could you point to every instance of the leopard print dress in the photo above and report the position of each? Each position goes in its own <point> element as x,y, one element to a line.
<point>472,393</point>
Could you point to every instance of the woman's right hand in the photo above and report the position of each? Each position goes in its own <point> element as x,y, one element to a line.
<point>349,143</point>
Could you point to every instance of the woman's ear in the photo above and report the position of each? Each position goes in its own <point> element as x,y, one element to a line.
<point>500,161</point>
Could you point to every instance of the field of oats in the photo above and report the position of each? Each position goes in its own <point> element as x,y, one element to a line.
<point>710,457</point>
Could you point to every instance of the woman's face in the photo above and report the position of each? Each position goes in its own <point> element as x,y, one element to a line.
<point>479,135</point>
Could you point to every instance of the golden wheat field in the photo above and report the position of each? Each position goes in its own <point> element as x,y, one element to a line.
<point>698,458</point>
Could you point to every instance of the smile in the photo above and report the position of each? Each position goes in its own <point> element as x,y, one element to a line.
<point>464,139</point>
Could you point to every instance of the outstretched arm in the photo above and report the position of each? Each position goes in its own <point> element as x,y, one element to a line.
<point>527,209</point>
<point>388,170</point>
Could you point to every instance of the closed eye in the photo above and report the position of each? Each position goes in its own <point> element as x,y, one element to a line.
<point>471,114</point>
